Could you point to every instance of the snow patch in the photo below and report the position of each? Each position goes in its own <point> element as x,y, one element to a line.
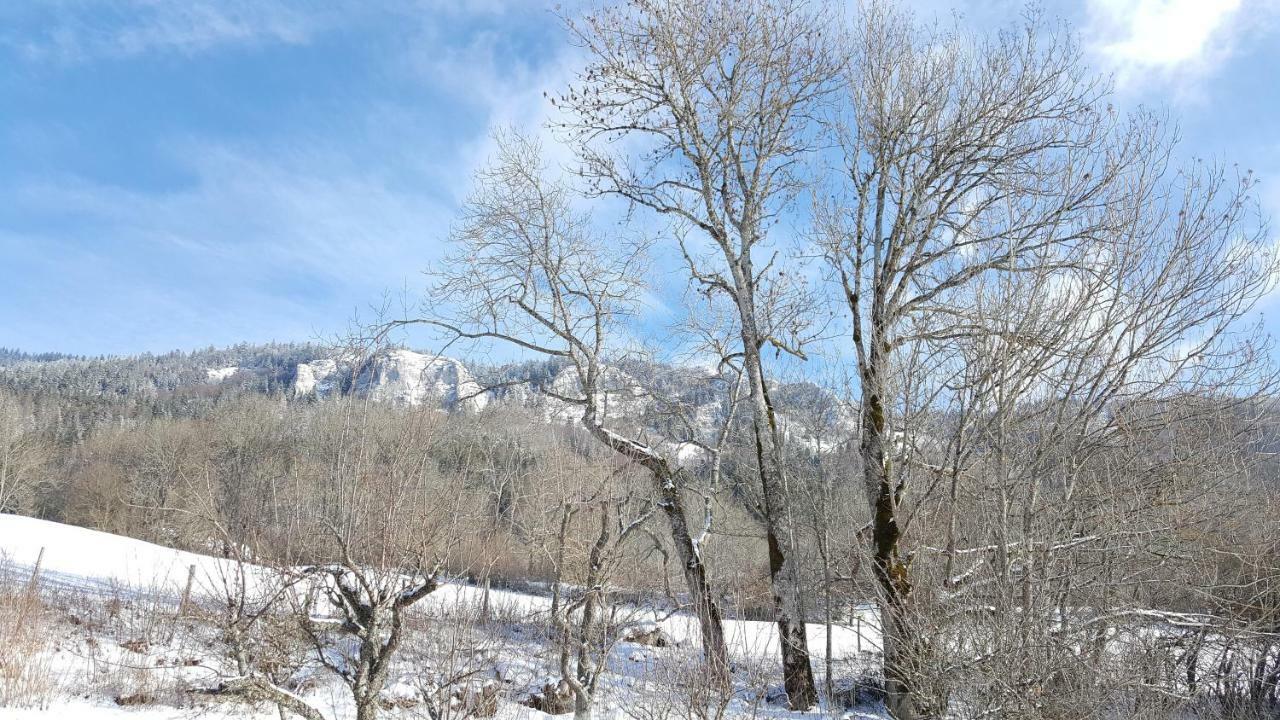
<point>79,557</point>
<point>220,374</point>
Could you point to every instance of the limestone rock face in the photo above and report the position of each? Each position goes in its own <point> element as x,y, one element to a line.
<point>402,377</point>
<point>410,378</point>
<point>315,378</point>
<point>810,417</point>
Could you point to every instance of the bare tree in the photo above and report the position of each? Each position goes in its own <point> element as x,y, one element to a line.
<point>1011,248</point>
<point>531,272</point>
<point>717,100</point>
<point>371,605</point>
<point>583,624</point>
<point>364,547</point>
<point>22,456</point>
<point>382,550</point>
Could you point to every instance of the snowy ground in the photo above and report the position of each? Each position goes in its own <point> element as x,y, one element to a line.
<point>110,642</point>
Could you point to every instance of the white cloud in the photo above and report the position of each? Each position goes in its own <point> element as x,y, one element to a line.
<point>294,212</point>
<point>1171,41</point>
<point>271,238</point>
<point>280,244</point>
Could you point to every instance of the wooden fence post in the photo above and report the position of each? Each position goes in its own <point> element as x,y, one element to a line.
<point>33,584</point>
<point>858,617</point>
<point>186,592</point>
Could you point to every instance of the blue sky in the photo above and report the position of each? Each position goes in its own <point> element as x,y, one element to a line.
<point>180,173</point>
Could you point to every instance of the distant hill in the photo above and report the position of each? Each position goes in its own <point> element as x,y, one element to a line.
<point>673,403</point>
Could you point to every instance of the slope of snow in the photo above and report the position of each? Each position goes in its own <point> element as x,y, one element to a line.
<point>87,560</point>
<point>78,557</point>
<point>80,709</point>
<point>90,559</point>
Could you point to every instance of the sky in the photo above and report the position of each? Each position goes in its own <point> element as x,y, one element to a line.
<point>176,174</point>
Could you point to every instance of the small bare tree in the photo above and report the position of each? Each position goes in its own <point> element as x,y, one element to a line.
<point>583,624</point>
<point>363,548</point>
<point>381,549</point>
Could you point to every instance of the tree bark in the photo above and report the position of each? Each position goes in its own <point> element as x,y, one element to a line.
<point>367,710</point>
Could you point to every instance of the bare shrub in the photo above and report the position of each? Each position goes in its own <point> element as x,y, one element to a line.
<point>675,686</point>
<point>457,650</point>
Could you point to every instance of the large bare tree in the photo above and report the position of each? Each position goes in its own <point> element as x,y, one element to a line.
<point>1013,251</point>
<point>713,103</point>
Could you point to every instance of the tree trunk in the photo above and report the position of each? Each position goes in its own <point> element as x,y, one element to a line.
<point>827,659</point>
<point>256,689</point>
<point>367,711</point>
<point>667,487</point>
<point>584,677</point>
<point>783,572</point>
<point>899,643</point>
<point>784,576</point>
<point>710,620</point>
<point>566,514</point>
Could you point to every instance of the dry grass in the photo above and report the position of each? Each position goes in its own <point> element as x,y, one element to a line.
<point>28,677</point>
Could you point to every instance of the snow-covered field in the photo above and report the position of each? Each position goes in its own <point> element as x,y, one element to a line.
<point>108,641</point>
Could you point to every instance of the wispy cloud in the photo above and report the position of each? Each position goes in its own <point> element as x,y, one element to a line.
<point>260,245</point>
<point>303,211</point>
<point>73,31</point>
<point>509,85</point>
<point>281,234</point>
